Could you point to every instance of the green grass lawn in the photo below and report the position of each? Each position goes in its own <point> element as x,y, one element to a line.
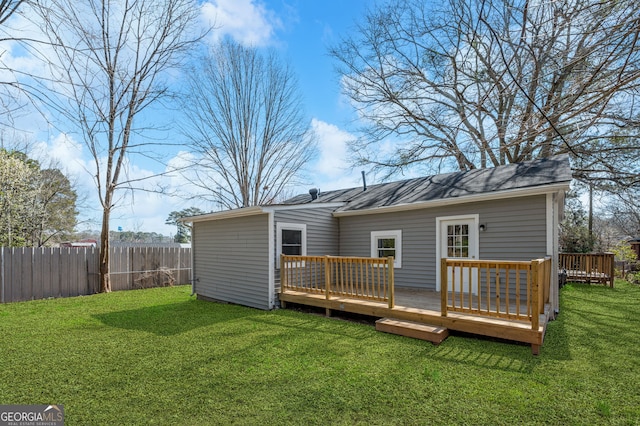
<point>161,357</point>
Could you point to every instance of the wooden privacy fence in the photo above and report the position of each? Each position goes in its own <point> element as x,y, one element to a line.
<point>588,267</point>
<point>333,276</point>
<point>40,273</point>
<point>514,290</point>
<point>142,267</point>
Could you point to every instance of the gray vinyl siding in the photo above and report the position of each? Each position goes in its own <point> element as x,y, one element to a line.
<point>516,230</point>
<point>231,260</point>
<point>418,241</point>
<point>323,232</point>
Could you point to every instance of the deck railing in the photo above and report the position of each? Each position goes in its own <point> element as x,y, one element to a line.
<point>588,267</point>
<point>361,278</point>
<point>514,290</point>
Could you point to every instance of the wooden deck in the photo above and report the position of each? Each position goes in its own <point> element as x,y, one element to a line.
<point>423,306</point>
<point>431,300</point>
<point>503,299</point>
<point>588,267</point>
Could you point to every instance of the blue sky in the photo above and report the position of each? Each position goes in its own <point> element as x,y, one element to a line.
<point>300,31</point>
<point>306,46</point>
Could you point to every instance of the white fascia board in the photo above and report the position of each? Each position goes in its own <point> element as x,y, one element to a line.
<point>497,195</point>
<point>227,214</point>
<point>250,211</point>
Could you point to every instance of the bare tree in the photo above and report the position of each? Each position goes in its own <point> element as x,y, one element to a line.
<point>473,84</point>
<point>8,8</point>
<point>106,60</point>
<point>245,122</point>
<point>622,208</point>
<point>9,96</point>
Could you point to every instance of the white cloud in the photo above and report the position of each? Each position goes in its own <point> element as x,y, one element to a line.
<point>331,170</point>
<point>64,152</point>
<point>144,211</point>
<point>138,211</point>
<point>332,143</point>
<point>147,211</point>
<point>67,154</point>
<point>15,55</point>
<point>179,171</point>
<point>249,22</point>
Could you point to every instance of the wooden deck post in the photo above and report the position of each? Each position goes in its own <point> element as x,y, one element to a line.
<point>327,277</point>
<point>327,283</point>
<point>444,287</point>
<point>283,274</point>
<point>391,284</point>
<point>612,271</point>
<point>283,280</point>
<point>535,300</point>
<point>535,349</point>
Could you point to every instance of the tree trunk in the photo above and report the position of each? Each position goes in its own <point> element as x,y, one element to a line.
<point>105,277</point>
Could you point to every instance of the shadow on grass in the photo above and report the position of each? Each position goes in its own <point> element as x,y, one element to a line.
<point>460,348</point>
<point>481,352</point>
<point>174,318</point>
<point>305,323</point>
<point>506,355</point>
<point>595,317</point>
<point>556,340</point>
<point>608,318</point>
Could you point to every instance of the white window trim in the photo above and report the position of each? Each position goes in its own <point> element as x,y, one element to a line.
<point>280,226</point>
<point>397,235</point>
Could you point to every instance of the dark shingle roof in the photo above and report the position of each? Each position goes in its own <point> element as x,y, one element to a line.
<point>479,181</point>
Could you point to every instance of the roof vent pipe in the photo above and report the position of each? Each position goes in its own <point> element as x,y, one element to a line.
<point>314,193</point>
<point>364,182</point>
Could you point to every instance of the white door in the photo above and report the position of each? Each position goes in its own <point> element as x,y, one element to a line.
<point>459,240</point>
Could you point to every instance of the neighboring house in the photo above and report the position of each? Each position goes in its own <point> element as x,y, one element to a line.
<point>509,212</point>
<point>82,243</point>
<point>635,246</point>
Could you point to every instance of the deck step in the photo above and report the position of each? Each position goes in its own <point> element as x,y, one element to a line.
<point>432,333</point>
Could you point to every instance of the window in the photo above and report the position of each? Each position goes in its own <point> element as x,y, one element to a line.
<point>291,239</point>
<point>458,240</point>
<point>387,243</point>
